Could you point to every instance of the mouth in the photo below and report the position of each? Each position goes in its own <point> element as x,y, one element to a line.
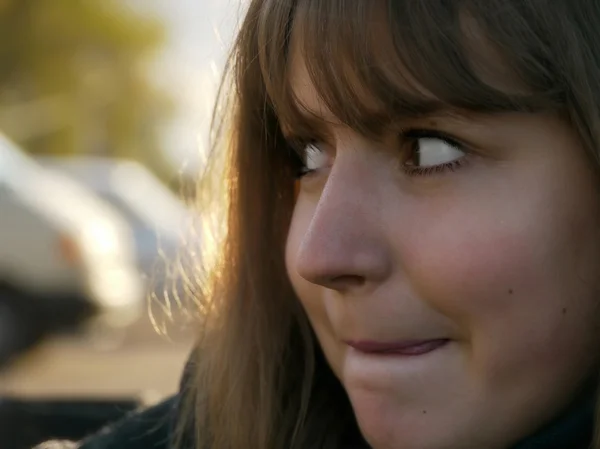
<point>410,348</point>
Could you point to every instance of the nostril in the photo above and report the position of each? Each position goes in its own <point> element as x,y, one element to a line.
<point>342,272</point>
<point>345,282</point>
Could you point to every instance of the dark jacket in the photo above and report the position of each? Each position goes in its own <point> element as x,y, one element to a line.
<point>150,429</point>
<point>154,427</point>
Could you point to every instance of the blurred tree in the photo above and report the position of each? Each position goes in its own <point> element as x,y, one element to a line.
<point>74,78</point>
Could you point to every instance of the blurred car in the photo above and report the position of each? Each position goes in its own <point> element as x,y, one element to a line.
<point>160,221</point>
<point>66,257</point>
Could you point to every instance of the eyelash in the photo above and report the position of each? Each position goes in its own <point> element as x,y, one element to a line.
<point>409,136</point>
<point>304,171</point>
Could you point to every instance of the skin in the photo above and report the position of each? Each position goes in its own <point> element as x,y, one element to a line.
<point>500,255</point>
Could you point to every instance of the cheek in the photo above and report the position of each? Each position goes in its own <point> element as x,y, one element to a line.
<point>511,277</point>
<point>310,295</point>
<point>307,293</point>
<point>298,227</point>
<point>465,266</point>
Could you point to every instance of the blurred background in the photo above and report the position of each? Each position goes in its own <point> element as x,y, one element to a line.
<point>105,108</point>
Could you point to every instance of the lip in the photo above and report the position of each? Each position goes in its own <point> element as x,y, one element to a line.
<point>402,348</point>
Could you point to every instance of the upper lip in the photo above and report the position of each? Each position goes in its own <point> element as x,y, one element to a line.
<point>370,346</point>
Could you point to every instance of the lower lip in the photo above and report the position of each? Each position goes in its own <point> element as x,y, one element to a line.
<point>412,350</point>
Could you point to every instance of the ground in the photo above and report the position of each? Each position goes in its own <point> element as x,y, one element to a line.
<point>142,364</point>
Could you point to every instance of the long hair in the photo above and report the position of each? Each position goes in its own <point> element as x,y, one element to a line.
<point>260,381</point>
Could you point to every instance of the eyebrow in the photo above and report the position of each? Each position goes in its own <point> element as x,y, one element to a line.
<point>308,122</point>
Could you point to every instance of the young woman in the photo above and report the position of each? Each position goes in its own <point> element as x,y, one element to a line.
<point>412,254</point>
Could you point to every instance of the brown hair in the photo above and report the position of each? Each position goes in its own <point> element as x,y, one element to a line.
<point>260,381</point>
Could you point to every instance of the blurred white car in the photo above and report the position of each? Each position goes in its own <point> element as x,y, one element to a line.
<point>160,221</point>
<point>64,253</point>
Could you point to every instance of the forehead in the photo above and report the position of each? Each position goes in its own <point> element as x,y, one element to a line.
<point>363,64</point>
<point>317,88</point>
<point>307,99</point>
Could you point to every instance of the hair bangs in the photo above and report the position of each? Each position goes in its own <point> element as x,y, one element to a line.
<point>375,62</point>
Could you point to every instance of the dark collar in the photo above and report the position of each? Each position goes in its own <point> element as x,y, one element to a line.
<point>574,429</point>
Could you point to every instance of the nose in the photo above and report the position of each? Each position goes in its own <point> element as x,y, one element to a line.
<point>344,247</point>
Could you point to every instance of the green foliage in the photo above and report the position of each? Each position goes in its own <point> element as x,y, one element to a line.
<point>74,77</point>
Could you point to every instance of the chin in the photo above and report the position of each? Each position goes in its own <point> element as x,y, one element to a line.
<point>386,425</point>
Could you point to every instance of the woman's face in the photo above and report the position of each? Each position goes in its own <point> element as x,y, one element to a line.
<point>450,272</point>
